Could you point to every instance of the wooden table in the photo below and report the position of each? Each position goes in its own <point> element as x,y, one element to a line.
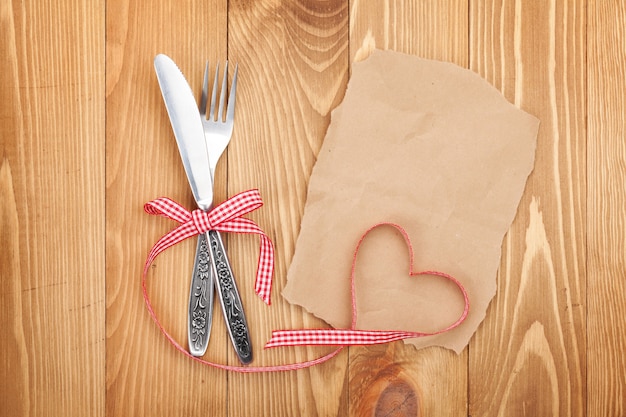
<point>86,141</point>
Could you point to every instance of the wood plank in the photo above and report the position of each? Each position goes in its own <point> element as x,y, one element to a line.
<point>293,62</point>
<point>397,379</point>
<point>606,202</point>
<point>145,375</point>
<point>528,358</point>
<point>52,211</point>
<point>428,29</point>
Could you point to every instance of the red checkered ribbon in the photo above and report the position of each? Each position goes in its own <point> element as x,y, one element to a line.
<point>226,217</point>
<point>353,336</point>
<point>336,337</point>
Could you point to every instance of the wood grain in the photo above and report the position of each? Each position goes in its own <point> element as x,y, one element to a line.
<point>429,29</point>
<point>398,380</point>
<point>52,210</point>
<point>293,59</point>
<point>145,375</point>
<point>606,202</point>
<point>86,141</point>
<point>530,352</point>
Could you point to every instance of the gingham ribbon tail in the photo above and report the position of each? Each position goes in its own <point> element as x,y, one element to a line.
<point>226,217</point>
<point>336,337</point>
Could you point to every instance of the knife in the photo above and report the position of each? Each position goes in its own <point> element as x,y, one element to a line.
<point>187,126</point>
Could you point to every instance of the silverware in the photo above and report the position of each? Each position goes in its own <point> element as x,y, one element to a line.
<point>193,134</point>
<point>217,132</point>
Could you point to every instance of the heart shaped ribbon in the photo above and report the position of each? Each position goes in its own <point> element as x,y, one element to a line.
<point>353,336</point>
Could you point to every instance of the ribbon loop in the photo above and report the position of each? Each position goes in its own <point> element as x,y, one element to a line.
<point>235,207</point>
<point>169,208</point>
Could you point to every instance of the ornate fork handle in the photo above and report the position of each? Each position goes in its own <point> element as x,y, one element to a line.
<point>230,299</point>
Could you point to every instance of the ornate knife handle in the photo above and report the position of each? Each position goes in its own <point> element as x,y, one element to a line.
<point>201,294</point>
<point>230,299</point>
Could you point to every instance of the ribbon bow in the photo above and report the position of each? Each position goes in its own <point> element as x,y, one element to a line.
<point>226,217</point>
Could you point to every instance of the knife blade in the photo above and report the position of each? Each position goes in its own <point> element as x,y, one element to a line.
<point>189,133</point>
<point>187,125</point>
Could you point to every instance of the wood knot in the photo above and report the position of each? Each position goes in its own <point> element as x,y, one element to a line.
<point>398,399</point>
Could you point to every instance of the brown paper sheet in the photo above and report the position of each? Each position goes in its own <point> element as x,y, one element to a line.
<point>436,149</point>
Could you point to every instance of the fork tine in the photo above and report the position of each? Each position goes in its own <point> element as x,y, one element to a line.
<point>214,92</point>
<point>205,89</point>
<point>220,111</point>
<point>230,111</point>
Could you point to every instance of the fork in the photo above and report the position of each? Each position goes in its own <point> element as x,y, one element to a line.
<point>218,131</point>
